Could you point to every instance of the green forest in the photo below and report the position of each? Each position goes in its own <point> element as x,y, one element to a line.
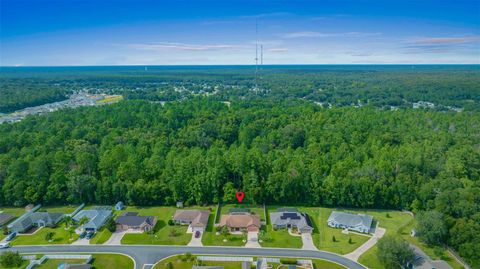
<point>307,135</point>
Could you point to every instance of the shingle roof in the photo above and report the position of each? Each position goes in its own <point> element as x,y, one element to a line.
<point>197,218</point>
<point>240,221</point>
<point>4,218</point>
<point>134,220</point>
<point>96,217</point>
<point>351,220</point>
<point>290,217</point>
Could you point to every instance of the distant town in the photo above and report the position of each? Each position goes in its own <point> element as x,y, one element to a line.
<point>75,100</point>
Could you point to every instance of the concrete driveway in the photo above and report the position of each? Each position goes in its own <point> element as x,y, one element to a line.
<point>81,242</point>
<point>115,239</point>
<point>252,240</point>
<point>196,242</point>
<point>307,241</point>
<point>354,255</point>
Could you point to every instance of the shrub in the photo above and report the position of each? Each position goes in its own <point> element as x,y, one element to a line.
<point>288,261</point>
<point>10,259</point>
<point>169,265</point>
<point>334,239</point>
<point>111,225</point>
<point>171,222</point>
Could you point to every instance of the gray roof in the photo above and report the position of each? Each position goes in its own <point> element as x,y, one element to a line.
<point>351,220</point>
<point>78,266</point>
<point>29,219</point>
<point>291,217</point>
<point>207,267</point>
<point>48,218</point>
<point>96,218</point>
<point>134,220</point>
<point>4,218</point>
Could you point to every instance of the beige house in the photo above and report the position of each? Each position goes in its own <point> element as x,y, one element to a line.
<point>241,222</point>
<point>197,220</point>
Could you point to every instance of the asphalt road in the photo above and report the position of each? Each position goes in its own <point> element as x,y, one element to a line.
<point>151,254</point>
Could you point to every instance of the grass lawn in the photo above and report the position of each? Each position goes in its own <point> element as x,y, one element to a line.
<point>210,238</point>
<point>279,238</point>
<point>179,264</point>
<point>38,238</point>
<point>67,209</point>
<point>254,209</point>
<point>101,236</point>
<point>322,234</point>
<point>100,261</point>
<point>53,264</point>
<point>401,224</point>
<point>163,236</point>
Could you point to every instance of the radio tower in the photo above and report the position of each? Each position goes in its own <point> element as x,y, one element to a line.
<point>256,55</point>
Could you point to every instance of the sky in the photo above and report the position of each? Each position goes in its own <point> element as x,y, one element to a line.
<point>195,32</point>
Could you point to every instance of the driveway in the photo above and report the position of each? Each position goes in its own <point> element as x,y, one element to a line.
<point>307,241</point>
<point>379,232</point>
<point>196,242</point>
<point>252,240</point>
<point>115,239</point>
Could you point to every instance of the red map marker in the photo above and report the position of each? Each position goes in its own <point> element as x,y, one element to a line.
<point>240,196</point>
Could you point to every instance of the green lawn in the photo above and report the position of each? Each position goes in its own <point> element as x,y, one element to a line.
<point>100,261</point>
<point>38,238</point>
<point>279,238</point>
<point>255,209</point>
<point>210,238</point>
<point>163,236</point>
<point>67,209</point>
<point>179,264</point>
<point>101,236</point>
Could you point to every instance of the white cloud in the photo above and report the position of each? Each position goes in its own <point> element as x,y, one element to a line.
<point>181,46</point>
<point>309,34</point>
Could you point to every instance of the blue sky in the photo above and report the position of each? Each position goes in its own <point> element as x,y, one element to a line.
<point>125,32</point>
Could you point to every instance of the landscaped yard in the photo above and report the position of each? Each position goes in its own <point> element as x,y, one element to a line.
<point>38,238</point>
<point>400,223</point>
<point>254,209</point>
<point>179,264</point>
<point>278,238</point>
<point>100,261</point>
<point>165,235</point>
<point>101,236</point>
<point>210,238</point>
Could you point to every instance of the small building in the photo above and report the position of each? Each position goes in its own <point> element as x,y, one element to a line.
<point>29,207</point>
<point>119,206</point>
<point>355,222</point>
<point>241,222</point>
<point>286,218</point>
<point>197,220</point>
<point>246,265</point>
<point>96,218</point>
<point>75,266</point>
<point>179,204</point>
<point>207,267</point>
<point>133,222</point>
<point>5,218</point>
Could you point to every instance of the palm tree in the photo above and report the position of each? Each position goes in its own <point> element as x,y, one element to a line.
<point>68,220</point>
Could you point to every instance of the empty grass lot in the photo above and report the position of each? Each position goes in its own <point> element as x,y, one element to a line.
<point>67,209</point>
<point>163,235</point>
<point>38,238</point>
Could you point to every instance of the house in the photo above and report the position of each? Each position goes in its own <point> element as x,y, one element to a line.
<point>241,222</point>
<point>97,217</point>
<point>197,220</point>
<point>356,222</point>
<point>119,206</point>
<point>35,219</point>
<point>132,221</point>
<point>291,218</point>
<point>5,218</point>
<point>423,261</point>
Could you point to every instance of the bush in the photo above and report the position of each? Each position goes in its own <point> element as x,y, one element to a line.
<point>111,225</point>
<point>334,239</point>
<point>171,222</point>
<point>10,259</point>
<point>169,265</point>
<point>288,261</point>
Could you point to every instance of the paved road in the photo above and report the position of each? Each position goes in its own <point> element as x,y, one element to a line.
<point>151,254</point>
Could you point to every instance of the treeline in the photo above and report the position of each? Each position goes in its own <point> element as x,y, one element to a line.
<point>283,153</point>
<point>378,86</point>
<point>16,94</point>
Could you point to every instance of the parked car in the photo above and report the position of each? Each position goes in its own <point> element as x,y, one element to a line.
<point>11,236</point>
<point>82,235</point>
<point>197,234</point>
<point>90,235</point>
<point>5,245</point>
